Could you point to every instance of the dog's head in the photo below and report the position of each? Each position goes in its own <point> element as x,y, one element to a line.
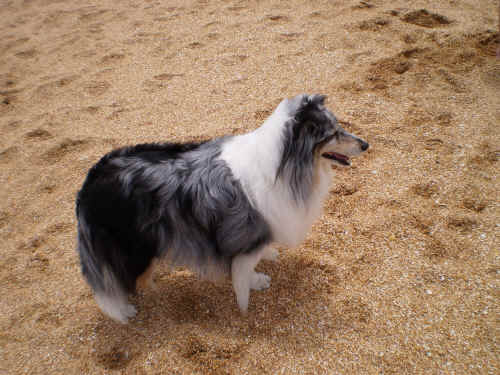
<point>313,133</point>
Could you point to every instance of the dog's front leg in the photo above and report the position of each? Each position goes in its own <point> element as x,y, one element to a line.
<point>245,278</point>
<point>270,253</point>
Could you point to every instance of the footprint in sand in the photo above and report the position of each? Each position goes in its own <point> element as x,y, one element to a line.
<point>7,82</point>
<point>488,43</point>
<point>426,189</point>
<point>212,36</point>
<point>28,54</point>
<point>9,154</point>
<point>15,43</point>
<point>97,29</point>
<point>12,125</point>
<point>212,24</point>
<point>236,8</point>
<point>47,188</point>
<point>5,218</point>
<point>363,5</point>
<point>6,101</point>
<point>231,60</point>
<point>159,82</point>
<point>475,203</point>
<point>163,48</point>
<point>425,18</point>
<point>385,72</point>
<point>195,45</point>
<point>276,19</point>
<point>38,135</point>
<point>92,15</point>
<point>115,359</point>
<point>374,24</point>
<point>92,110</point>
<point>39,262</point>
<point>289,36</point>
<point>50,318</point>
<point>162,19</point>
<point>65,147</point>
<point>112,58</point>
<point>96,88</point>
<point>39,246</point>
<point>8,92</point>
<point>167,76</point>
<point>85,54</point>
<point>53,88</point>
<point>462,224</point>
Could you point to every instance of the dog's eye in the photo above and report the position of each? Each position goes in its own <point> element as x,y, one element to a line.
<point>328,138</point>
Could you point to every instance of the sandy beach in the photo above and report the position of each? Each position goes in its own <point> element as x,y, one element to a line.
<point>401,275</point>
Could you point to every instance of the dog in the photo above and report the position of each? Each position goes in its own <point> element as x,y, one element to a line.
<point>213,206</point>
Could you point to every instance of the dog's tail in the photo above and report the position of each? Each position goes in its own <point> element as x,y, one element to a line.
<point>102,271</point>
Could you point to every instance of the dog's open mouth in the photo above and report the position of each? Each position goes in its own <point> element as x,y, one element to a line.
<point>342,159</point>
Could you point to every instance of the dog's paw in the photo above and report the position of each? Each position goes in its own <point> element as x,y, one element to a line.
<point>271,254</point>
<point>260,281</point>
<point>116,307</point>
<point>129,311</point>
<point>125,313</point>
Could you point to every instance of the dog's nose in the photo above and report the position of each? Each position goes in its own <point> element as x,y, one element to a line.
<point>364,146</point>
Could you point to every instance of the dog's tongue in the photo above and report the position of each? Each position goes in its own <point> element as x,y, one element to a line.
<point>342,159</point>
<point>339,156</point>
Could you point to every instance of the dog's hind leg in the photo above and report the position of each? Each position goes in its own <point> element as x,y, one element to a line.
<point>245,278</point>
<point>116,307</point>
<point>113,300</point>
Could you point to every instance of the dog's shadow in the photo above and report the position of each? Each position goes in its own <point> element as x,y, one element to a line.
<point>183,310</point>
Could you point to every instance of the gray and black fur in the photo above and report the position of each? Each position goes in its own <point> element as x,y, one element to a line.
<point>305,133</point>
<point>163,200</point>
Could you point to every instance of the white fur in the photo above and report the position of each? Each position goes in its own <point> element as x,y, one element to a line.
<point>270,253</point>
<point>254,159</point>
<point>245,278</point>
<point>114,302</point>
<point>116,307</point>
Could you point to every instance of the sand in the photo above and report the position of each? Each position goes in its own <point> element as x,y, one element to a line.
<point>400,275</point>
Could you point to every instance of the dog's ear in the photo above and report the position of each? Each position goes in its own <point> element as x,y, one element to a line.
<point>304,101</point>
<point>297,104</point>
<point>302,105</point>
<point>318,99</point>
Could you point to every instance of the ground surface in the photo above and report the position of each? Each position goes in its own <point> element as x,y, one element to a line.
<point>401,274</point>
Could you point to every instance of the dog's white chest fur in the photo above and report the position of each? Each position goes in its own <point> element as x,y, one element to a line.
<point>254,159</point>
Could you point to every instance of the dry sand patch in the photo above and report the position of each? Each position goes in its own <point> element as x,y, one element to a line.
<point>401,274</point>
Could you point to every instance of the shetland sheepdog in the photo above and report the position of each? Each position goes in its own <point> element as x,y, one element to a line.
<point>214,206</point>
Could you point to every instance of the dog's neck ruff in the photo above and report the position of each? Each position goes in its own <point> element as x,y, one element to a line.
<point>254,159</point>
